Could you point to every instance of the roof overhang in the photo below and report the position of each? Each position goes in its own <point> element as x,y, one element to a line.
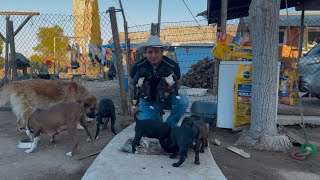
<point>240,8</point>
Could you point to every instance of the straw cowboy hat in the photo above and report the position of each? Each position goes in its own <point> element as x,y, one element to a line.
<point>153,41</point>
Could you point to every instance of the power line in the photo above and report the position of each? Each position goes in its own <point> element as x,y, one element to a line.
<point>190,12</point>
<point>127,16</point>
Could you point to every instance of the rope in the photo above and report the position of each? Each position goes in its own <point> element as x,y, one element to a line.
<point>296,154</point>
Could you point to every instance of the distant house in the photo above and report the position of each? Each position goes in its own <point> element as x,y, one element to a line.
<point>187,55</point>
<point>289,33</point>
<point>189,43</point>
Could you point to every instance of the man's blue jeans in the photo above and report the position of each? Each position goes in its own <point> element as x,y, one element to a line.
<point>179,107</point>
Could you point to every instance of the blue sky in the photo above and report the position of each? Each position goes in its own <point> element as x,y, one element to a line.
<point>137,11</point>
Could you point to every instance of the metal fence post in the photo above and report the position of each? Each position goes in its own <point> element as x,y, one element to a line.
<point>116,42</point>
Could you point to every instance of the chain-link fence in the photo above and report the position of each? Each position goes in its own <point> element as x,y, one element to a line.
<point>62,45</point>
<point>191,45</point>
<point>299,55</point>
<point>57,44</point>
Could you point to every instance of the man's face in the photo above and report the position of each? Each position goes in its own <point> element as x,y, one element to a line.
<point>154,55</point>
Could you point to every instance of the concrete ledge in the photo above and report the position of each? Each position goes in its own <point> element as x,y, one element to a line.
<point>294,119</point>
<point>115,164</point>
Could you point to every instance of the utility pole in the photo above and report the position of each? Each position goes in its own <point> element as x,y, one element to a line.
<point>128,52</point>
<point>222,27</point>
<point>159,16</point>
<point>116,41</point>
<point>224,15</point>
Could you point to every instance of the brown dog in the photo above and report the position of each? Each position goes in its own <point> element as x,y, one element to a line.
<point>203,128</point>
<point>53,120</point>
<point>25,96</point>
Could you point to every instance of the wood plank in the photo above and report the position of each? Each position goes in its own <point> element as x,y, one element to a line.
<point>19,13</point>
<point>239,152</point>
<point>89,155</point>
<point>297,138</point>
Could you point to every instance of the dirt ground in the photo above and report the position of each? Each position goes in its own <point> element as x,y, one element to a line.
<point>264,164</point>
<point>49,161</point>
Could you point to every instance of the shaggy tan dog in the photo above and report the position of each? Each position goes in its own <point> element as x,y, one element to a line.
<point>27,95</point>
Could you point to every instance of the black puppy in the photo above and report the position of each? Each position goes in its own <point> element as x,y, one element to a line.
<point>149,128</point>
<point>141,80</point>
<point>181,139</point>
<point>203,128</point>
<point>168,79</point>
<point>106,109</point>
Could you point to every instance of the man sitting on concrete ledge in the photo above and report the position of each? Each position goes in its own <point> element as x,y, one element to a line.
<point>153,61</point>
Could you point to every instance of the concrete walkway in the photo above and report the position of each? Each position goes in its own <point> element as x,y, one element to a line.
<point>117,165</point>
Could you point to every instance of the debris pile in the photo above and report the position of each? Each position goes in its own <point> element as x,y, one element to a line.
<point>200,75</point>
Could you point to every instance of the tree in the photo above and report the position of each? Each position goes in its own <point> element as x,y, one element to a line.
<point>95,28</point>
<point>46,36</point>
<point>264,27</point>
<point>35,58</point>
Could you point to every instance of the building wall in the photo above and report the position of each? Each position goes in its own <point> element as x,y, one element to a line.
<point>187,56</point>
<point>288,53</point>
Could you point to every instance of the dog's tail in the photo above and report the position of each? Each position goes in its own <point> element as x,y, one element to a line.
<point>135,116</point>
<point>4,95</point>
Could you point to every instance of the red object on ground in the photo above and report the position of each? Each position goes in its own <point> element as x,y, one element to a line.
<point>48,62</point>
<point>297,155</point>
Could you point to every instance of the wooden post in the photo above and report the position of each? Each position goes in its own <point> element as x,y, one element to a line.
<point>221,27</point>
<point>128,53</point>
<point>6,60</point>
<point>224,15</point>
<point>116,42</point>
<point>154,29</point>
<point>13,62</point>
<point>10,33</point>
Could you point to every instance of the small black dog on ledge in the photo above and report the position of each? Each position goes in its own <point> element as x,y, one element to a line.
<point>149,128</point>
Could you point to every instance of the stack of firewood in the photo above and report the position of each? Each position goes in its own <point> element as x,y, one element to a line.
<point>200,75</point>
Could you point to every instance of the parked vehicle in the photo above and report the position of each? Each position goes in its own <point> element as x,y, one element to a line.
<point>309,70</point>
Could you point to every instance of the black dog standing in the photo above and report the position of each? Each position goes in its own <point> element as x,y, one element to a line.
<point>106,109</point>
<point>149,128</point>
<point>180,140</point>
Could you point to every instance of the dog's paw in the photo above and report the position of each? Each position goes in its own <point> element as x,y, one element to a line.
<point>151,107</point>
<point>69,154</point>
<point>79,126</point>
<point>175,164</point>
<point>97,138</point>
<point>197,162</point>
<point>89,139</point>
<point>28,151</point>
<point>51,140</point>
<point>178,97</point>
